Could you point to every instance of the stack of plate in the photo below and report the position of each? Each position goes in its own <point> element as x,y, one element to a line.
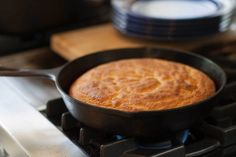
<point>172,19</point>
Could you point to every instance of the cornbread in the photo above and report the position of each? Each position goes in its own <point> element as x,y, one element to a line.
<point>142,85</point>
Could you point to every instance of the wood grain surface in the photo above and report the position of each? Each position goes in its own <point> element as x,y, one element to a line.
<point>77,43</point>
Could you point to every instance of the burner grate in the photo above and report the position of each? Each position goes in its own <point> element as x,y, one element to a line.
<point>190,143</point>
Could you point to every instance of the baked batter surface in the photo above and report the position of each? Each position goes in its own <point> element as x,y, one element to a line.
<point>142,85</point>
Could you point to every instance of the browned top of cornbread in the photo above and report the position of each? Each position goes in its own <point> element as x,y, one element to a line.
<point>142,85</point>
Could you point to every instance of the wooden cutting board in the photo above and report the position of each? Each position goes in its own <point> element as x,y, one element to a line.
<point>77,43</point>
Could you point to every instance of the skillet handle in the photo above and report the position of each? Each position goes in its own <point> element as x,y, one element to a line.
<point>47,73</point>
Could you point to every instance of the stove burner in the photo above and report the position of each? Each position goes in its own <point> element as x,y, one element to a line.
<point>119,137</point>
<point>224,54</point>
<point>156,145</point>
<point>206,139</point>
<point>183,137</point>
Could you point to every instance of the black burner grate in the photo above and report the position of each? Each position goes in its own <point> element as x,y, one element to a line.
<point>208,139</point>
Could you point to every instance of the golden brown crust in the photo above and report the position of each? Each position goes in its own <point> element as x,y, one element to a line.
<point>142,85</point>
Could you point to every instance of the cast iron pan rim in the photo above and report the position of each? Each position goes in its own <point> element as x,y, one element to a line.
<point>152,112</point>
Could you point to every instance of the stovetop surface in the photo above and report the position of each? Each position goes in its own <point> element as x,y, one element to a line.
<point>215,136</point>
<point>24,132</point>
<point>54,132</point>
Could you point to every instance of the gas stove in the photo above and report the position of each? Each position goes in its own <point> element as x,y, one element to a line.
<point>213,137</point>
<point>40,125</point>
<point>34,121</point>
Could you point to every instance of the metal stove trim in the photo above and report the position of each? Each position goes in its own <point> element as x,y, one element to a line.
<point>33,134</point>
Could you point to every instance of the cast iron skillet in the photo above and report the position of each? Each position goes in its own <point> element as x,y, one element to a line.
<point>148,124</point>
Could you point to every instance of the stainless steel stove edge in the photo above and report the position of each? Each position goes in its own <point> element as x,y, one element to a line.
<point>25,132</point>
